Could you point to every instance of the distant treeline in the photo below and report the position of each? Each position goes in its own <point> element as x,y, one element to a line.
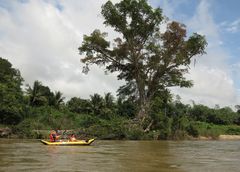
<point>104,116</point>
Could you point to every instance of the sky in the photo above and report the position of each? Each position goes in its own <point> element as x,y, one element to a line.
<point>41,39</point>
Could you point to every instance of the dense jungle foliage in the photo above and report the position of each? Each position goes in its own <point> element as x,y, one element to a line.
<point>38,108</point>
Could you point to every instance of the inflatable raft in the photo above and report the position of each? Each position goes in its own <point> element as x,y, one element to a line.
<point>68,143</point>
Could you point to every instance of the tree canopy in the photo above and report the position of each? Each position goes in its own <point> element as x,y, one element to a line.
<point>40,95</point>
<point>11,95</point>
<point>105,116</point>
<point>148,58</point>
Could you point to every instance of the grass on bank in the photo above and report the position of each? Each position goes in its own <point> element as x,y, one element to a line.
<point>212,130</point>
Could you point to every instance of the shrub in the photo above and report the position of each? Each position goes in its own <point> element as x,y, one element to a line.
<point>192,130</point>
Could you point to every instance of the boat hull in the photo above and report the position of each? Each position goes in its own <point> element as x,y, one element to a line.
<point>67,143</point>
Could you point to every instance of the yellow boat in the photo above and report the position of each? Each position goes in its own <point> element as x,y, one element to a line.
<point>68,143</point>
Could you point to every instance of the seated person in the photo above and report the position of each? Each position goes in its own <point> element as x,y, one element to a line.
<point>54,137</point>
<point>72,138</point>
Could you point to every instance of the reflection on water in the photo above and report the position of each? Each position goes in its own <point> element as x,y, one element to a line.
<point>31,155</point>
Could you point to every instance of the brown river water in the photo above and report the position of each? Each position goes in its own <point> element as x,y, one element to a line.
<point>104,156</point>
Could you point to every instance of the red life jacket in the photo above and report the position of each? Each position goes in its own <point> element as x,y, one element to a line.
<point>51,138</point>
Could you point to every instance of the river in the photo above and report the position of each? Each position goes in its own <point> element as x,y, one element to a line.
<point>104,156</point>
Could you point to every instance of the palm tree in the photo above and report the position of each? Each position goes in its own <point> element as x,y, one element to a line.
<point>36,97</point>
<point>109,100</point>
<point>97,103</point>
<point>58,99</point>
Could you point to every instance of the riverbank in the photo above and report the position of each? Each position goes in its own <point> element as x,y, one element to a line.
<point>222,137</point>
<point>123,129</point>
<point>43,134</point>
<point>229,137</point>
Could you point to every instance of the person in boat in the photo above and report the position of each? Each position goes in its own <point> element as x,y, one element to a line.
<point>72,138</point>
<point>54,137</point>
<point>58,132</point>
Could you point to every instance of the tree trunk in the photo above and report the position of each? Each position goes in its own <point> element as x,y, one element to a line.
<point>144,114</point>
<point>149,126</point>
<point>143,111</point>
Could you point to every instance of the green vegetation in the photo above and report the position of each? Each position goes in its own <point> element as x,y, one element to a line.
<point>149,60</point>
<point>11,94</point>
<point>35,111</point>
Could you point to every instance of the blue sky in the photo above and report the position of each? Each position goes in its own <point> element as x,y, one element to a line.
<point>41,37</point>
<point>220,22</point>
<point>225,14</point>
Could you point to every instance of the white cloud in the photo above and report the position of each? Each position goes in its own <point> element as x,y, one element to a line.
<point>203,23</point>
<point>211,86</point>
<point>42,41</point>
<point>212,76</point>
<point>169,6</point>
<point>234,26</point>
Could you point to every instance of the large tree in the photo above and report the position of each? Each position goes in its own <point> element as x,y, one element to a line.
<point>150,59</point>
<point>11,95</point>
